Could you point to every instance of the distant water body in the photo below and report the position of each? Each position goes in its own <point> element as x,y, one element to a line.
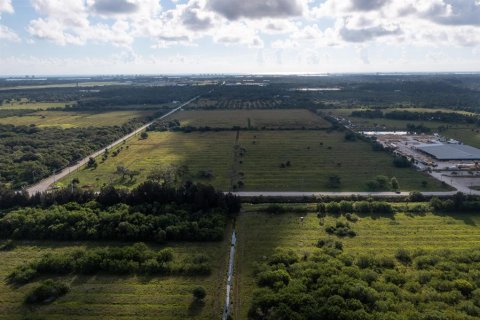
<point>316,89</point>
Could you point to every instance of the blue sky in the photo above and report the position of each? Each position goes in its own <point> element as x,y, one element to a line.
<point>51,37</point>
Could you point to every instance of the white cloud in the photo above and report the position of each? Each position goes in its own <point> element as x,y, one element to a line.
<point>425,22</point>
<point>257,9</point>
<point>286,24</point>
<point>7,34</point>
<point>6,6</point>
<point>238,33</point>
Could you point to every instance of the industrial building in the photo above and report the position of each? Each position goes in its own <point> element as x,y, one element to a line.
<point>447,152</point>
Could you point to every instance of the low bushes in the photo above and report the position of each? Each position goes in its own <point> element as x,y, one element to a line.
<point>47,292</point>
<point>135,259</point>
<point>331,284</point>
<point>341,229</point>
<point>333,207</point>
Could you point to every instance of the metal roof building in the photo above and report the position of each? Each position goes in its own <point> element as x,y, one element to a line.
<point>451,151</point>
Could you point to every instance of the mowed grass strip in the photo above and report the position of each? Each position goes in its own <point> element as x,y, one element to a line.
<point>118,297</point>
<point>273,118</point>
<point>199,151</point>
<point>260,233</point>
<point>314,157</point>
<point>65,119</point>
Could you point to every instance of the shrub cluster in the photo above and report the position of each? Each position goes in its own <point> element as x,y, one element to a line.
<point>48,291</point>
<point>135,259</point>
<point>344,206</point>
<point>458,203</point>
<point>341,229</point>
<point>331,284</point>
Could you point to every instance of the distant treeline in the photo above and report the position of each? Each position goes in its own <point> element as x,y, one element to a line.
<point>139,95</point>
<point>449,117</point>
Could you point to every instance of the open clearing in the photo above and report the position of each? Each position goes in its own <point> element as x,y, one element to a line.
<point>32,105</point>
<point>66,119</point>
<point>115,297</point>
<point>314,157</point>
<point>393,124</point>
<point>199,151</point>
<point>234,104</point>
<point>292,118</point>
<point>467,134</point>
<point>259,234</point>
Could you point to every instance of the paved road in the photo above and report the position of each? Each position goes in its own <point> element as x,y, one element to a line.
<point>44,184</point>
<point>453,182</point>
<point>334,194</point>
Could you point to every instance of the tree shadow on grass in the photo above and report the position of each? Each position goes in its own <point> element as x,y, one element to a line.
<point>375,216</point>
<point>465,217</point>
<point>196,307</point>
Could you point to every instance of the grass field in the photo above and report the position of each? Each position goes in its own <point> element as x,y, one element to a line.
<point>234,104</point>
<point>199,151</point>
<point>259,234</point>
<point>118,297</point>
<point>292,118</point>
<point>65,119</point>
<point>259,168</point>
<point>393,124</point>
<point>312,162</point>
<point>32,105</point>
<point>348,111</point>
<point>467,134</point>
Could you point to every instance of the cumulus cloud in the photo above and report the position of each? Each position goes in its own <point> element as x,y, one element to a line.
<point>367,5</point>
<point>193,18</point>
<point>6,33</point>
<point>108,7</point>
<point>453,12</point>
<point>6,6</point>
<point>366,34</point>
<point>413,21</point>
<point>238,33</point>
<point>256,9</point>
<point>288,23</point>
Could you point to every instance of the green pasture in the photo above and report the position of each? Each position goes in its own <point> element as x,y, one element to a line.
<point>199,151</point>
<point>393,124</point>
<point>66,119</point>
<point>112,297</point>
<point>26,105</point>
<point>314,157</point>
<point>269,118</point>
